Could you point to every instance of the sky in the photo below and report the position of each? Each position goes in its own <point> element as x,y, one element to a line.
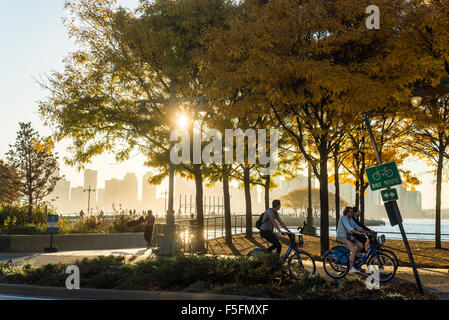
<point>34,42</point>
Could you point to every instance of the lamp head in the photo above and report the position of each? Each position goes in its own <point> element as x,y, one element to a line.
<point>417,97</point>
<point>202,108</point>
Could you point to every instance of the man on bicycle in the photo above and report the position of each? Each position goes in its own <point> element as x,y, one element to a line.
<point>361,237</point>
<point>268,222</point>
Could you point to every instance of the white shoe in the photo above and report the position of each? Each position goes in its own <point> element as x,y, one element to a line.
<point>353,270</point>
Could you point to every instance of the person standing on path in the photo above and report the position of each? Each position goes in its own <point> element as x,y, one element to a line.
<point>148,233</point>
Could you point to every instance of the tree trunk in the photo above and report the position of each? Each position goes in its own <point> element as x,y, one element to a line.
<point>438,201</point>
<point>227,207</point>
<point>199,202</point>
<point>30,204</point>
<point>248,212</point>
<point>337,191</point>
<point>357,192</point>
<point>324,200</point>
<point>267,191</point>
<point>362,190</point>
<point>309,229</point>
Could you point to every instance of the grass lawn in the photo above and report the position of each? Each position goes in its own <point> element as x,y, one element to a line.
<point>424,252</point>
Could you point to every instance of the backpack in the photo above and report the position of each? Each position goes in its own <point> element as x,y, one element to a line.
<point>260,221</point>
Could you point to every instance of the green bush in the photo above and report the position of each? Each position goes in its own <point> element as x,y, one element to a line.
<point>119,224</point>
<point>25,229</point>
<point>199,287</point>
<point>89,224</point>
<point>11,216</point>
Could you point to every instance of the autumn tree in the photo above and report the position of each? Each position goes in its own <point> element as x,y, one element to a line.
<point>124,56</point>
<point>313,64</point>
<point>429,140</point>
<point>35,163</point>
<point>9,184</point>
<point>297,200</point>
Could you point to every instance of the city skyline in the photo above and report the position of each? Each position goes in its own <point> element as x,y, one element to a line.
<point>125,194</point>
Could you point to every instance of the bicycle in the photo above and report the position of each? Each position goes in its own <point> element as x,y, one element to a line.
<point>336,260</point>
<point>300,263</point>
<point>195,244</point>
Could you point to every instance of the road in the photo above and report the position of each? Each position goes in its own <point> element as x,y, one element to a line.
<point>15,297</point>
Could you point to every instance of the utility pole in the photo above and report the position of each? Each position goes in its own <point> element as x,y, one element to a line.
<point>392,208</point>
<point>89,190</point>
<point>165,201</point>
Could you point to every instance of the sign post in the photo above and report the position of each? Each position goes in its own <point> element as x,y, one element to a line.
<point>52,227</point>
<point>386,176</point>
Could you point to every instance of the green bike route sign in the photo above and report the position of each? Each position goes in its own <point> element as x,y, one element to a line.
<point>383,176</point>
<point>389,195</point>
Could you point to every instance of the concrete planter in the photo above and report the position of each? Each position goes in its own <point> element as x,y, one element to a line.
<point>37,243</point>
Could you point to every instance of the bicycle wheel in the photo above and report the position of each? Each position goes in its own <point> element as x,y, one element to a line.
<point>305,265</point>
<point>392,255</point>
<point>202,249</point>
<point>336,267</point>
<point>254,252</point>
<point>156,241</point>
<point>388,269</point>
<point>196,247</point>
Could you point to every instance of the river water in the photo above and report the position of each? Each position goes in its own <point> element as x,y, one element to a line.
<point>416,229</point>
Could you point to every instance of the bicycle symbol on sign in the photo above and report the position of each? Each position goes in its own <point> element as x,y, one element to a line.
<point>381,173</point>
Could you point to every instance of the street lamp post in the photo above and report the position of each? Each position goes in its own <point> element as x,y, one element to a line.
<point>89,190</point>
<point>168,245</point>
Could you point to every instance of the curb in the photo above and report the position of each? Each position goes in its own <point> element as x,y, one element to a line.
<point>445,298</point>
<point>109,294</point>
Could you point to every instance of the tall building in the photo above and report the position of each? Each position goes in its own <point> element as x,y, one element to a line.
<point>409,203</point>
<point>61,194</point>
<point>78,200</point>
<point>113,195</point>
<point>90,178</point>
<point>149,195</point>
<point>101,199</point>
<point>130,191</point>
<point>373,203</point>
<point>347,193</point>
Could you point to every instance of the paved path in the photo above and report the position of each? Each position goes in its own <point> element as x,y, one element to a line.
<point>433,279</point>
<point>66,257</point>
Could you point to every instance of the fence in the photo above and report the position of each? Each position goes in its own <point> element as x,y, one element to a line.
<point>214,226</point>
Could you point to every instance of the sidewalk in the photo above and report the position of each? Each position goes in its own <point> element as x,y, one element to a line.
<point>69,257</point>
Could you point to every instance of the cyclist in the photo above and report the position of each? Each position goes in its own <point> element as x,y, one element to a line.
<point>361,237</point>
<point>345,234</point>
<point>268,223</point>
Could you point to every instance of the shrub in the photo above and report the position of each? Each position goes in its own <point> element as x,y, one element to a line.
<point>89,224</point>
<point>199,286</point>
<point>26,229</point>
<point>119,224</point>
<point>18,216</point>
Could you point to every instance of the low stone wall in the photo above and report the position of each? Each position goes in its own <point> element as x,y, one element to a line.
<point>37,243</point>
